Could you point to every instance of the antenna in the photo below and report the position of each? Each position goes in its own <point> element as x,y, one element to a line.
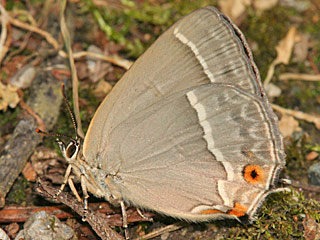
<point>66,101</point>
<point>58,135</point>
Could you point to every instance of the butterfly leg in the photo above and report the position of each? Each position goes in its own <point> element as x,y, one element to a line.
<point>144,216</point>
<point>73,188</point>
<point>124,219</point>
<point>65,180</point>
<point>85,195</point>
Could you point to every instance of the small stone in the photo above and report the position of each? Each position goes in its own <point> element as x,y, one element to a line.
<point>24,77</point>
<point>314,174</point>
<point>43,226</point>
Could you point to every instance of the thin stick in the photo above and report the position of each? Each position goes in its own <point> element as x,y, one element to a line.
<point>31,28</point>
<point>297,114</point>
<point>299,76</point>
<point>95,219</point>
<point>13,213</point>
<point>116,60</point>
<point>75,82</point>
<point>158,232</point>
<point>4,21</point>
<point>30,111</point>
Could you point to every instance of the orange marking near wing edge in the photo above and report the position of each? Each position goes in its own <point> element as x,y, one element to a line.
<point>238,210</point>
<point>211,211</point>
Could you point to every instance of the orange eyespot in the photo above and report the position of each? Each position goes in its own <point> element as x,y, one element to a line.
<point>253,174</point>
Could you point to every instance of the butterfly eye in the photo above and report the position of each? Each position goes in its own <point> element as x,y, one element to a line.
<point>72,150</point>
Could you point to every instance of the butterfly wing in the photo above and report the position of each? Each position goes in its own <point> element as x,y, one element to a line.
<point>215,56</point>
<point>188,129</point>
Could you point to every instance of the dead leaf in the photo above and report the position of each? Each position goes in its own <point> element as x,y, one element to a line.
<point>8,96</point>
<point>47,164</point>
<point>311,228</point>
<point>288,125</point>
<point>312,155</point>
<point>301,48</point>
<point>102,89</point>
<point>97,68</point>
<point>315,119</point>
<point>264,5</point>
<point>284,50</point>
<point>29,173</point>
<point>233,8</point>
<point>285,46</point>
<point>12,229</point>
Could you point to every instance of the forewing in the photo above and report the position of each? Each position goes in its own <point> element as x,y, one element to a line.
<point>202,47</point>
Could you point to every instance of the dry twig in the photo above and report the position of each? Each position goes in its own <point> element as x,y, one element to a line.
<point>97,221</point>
<point>298,114</point>
<point>299,76</point>
<point>160,231</point>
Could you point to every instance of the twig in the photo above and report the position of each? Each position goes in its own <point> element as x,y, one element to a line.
<point>300,115</point>
<point>4,21</point>
<point>299,76</point>
<point>75,81</point>
<point>96,220</point>
<point>25,106</point>
<point>21,214</point>
<point>35,29</point>
<point>44,13</point>
<point>269,74</point>
<point>312,64</point>
<point>26,14</point>
<point>11,214</point>
<point>310,188</point>
<point>116,60</point>
<point>160,231</point>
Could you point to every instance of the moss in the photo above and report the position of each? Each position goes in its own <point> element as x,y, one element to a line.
<point>315,148</point>
<point>8,119</point>
<point>18,193</point>
<point>281,217</point>
<point>119,24</point>
<point>296,157</point>
<point>13,5</point>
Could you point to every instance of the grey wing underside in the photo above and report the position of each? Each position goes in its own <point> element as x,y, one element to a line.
<point>152,133</point>
<point>163,68</point>
<point>169,162</point>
